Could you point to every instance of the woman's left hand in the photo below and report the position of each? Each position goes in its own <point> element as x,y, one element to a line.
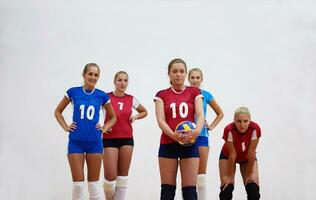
<point>188,136</point>
<point>98,127</point>
<point>133,118</point>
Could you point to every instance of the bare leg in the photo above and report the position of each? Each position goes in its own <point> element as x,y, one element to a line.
<point>76,163</point>
<point>168,175</point>
<point>189,168</point>
<point>94,161</point>
<point>201,180</point>
<point>124,161</point>
<point>94,166</point>
<point>251,182</point>
<point>227,188</point>
<point>204,152</point>
<point>254,175</point>
<point>110,159</point>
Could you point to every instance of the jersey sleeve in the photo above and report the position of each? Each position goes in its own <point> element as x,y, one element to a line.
<point>208,96</point>
<point>69,94</point>
<point>257,131</point>
<point>197,93</point>
<point>158,96</point>
<point>105,98</point>
<point>135,103</point>
<point>226,134</point>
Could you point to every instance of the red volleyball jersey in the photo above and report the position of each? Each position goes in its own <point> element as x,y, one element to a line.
<point>178,107</point>
<point>241,141</point>
<point>123,108</point>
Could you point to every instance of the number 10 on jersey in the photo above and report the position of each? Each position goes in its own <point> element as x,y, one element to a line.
<point>183,110</point>
<point>90,112</point>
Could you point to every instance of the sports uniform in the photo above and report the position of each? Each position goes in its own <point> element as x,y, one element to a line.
<point>241,141</point>
<point>122,131</point>
<point>86,138</point>
<point>178,107</point>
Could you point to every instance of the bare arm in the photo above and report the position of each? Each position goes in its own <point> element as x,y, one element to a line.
<point>251,157</point>
<point>231,158</point>
<point>60,118</point>
<point>229,177</point>
<point>198,105</point>
<point>160,115</point>
<point>142,113</point>
<point>219,114</point>
<point>112,117</point>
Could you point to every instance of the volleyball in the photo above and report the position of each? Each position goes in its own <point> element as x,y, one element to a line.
<point>185,126</point>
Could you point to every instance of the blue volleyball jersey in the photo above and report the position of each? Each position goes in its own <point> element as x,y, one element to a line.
<point>86,112</point>
<point>207,98</point>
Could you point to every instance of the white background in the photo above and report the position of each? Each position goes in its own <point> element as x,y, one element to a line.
<point>260,54</point>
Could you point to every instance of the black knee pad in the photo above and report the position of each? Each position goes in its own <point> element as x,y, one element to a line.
<point>167,192</point>
<point>252,191</point>
<point>227,193</point>
<point>189,193</point>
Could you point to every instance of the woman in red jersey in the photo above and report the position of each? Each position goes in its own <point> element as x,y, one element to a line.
<point>118,143</point>
<point>173,105</point>
<point>241,140</point>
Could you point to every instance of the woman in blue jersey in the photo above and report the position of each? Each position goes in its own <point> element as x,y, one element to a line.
<point>196,78</point>
<point>85,132</point>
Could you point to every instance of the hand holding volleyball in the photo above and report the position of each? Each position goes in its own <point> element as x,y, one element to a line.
<point>185,131</point>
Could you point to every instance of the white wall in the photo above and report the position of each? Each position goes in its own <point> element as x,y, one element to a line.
<point>255,53</point>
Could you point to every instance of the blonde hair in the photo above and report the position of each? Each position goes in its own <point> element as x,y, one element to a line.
<point>242,110</point>
<point>195,70</point>
<point>120,72</point>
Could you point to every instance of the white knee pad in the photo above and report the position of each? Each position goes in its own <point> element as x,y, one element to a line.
<point>122,181</point>
<point>95,191</point>
<point>121,187</point>
<point>77,190</point>
<point>109,185</point>
<point>109,189</point>
<point>201,181</point>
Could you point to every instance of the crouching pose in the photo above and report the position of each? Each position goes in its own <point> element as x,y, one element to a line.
<point>241,140</point>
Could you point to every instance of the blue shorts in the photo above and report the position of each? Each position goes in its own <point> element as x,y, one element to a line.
<point>75,146</point>
<point>176,150</point>
<point>223,157</point>
<point>202,141</point>
<point>117,142</point>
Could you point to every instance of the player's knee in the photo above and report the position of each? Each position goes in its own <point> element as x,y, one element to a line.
<point>167,192</point>
<point>253,191</point>
<point>109,185</point>
<point>77,190</point>
<point>189,193</point>
<point>94,190</point>
<point>201,181</point>
<point>227,193</point>
<point>121,181</point>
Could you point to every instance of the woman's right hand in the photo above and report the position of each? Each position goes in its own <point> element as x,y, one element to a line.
<point>71,127</point>
<point>106,130</point>
<point>177,136</point>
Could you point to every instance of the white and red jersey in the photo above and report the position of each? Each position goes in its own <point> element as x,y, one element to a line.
<point>123,108</point>
<point>178,107</point>
<point>241,141</point>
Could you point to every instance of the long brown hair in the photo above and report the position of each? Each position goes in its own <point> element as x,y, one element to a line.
<point>176,60</point>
